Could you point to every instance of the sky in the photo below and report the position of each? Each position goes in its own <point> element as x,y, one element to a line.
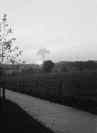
<point>67,28</point>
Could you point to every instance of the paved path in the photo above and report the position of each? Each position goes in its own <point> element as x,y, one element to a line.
<point>16,120</point>
<point>59,118</point>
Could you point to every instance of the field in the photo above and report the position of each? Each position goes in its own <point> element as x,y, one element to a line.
<point>78,89</point>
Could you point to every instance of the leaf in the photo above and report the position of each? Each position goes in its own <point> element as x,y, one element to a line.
<point>9,30</point>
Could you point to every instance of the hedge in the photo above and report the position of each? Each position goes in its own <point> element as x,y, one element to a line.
<point>68,87</point>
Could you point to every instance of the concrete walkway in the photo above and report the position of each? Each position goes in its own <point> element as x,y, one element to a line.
<point>59,118</point>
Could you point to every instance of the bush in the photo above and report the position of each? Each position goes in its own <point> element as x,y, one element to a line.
<point>77,88</point>
<point>47,66</point>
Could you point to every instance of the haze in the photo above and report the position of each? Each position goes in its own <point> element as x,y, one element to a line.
<point>68,28</point>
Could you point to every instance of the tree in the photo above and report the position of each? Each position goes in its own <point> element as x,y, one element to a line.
<point>47,66</point>
<point>8,52</point>
<point>43,52</point>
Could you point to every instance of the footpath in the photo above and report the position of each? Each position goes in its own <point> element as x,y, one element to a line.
<point>16,120</point>
<point>59,118</point>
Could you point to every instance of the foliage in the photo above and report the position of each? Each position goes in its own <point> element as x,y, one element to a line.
<point>47,66</point>
<point>8,53</point>
<point>70,88</point>
<point>1,71</point>
<point>75,66</point>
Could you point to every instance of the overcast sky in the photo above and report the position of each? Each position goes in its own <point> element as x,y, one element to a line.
<point>68,28</point>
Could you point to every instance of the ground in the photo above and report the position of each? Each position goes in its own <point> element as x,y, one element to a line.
<point>59,118</point>
<point>17,120</point>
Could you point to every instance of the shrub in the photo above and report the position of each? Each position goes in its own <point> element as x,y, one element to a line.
<point>75,88</point>
<point>47,66</point>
